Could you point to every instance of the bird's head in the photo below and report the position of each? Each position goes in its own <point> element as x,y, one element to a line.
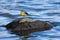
<point>23,13</point>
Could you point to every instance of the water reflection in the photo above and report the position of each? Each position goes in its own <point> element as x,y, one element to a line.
<point>26,37</point>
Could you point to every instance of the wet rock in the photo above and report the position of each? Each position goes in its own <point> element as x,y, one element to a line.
<point>25,26</point>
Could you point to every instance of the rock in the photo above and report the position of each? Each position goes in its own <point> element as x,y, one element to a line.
<point>25,26</point>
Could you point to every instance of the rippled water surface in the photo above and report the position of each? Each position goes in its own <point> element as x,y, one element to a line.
<point>46,10</point>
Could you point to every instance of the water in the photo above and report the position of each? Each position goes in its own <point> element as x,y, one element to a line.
<point>46,10</point>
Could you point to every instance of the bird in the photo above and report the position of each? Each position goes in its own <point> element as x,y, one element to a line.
<point>26,26</point>
<point>23,13</point>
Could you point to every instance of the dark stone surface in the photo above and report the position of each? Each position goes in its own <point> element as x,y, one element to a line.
<point>25,28</point>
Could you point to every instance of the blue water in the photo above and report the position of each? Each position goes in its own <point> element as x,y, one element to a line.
<point>45,10</point>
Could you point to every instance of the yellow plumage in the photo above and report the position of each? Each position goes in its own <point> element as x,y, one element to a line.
<point>23,13</point>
